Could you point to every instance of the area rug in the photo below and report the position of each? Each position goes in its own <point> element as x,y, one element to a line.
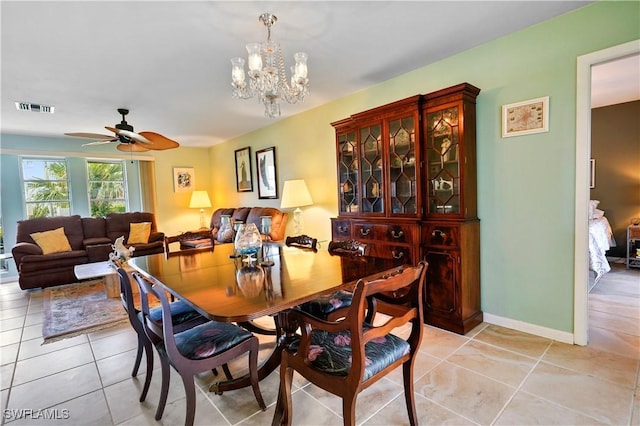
<point>74,309</point>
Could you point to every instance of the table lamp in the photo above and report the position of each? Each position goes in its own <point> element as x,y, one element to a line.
<point>295,194</point>
<point>200,200</point>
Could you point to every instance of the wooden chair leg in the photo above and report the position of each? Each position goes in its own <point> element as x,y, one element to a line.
<point>164,389</point>
<point>148,349</point>
<point>136,365</point>
<point>349,410</point>
<point>409,396</point>
<point>284,407</point>
<point>253,373</point>
<point>190,392</point>
<point>227,372</point>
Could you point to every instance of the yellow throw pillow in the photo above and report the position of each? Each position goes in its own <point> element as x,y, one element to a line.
<point>52,241</point>
<point>139,233</point>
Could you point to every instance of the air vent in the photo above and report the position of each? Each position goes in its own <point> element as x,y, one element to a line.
<point>27,106</point>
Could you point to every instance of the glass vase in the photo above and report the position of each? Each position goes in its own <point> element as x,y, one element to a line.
<point>248,241</point>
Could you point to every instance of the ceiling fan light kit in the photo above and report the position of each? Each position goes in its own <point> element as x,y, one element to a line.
<point>267,77</point>
<point>128,140</point>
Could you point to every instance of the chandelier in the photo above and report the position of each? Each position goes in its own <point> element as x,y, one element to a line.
<point>267,78</point>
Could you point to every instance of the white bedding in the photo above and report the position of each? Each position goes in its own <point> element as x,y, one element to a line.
<point>600,240</point>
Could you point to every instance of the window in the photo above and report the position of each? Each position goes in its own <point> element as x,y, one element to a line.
<point>46,187</point>
<point>107,187</point>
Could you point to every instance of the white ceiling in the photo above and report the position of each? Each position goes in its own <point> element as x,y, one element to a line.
<point>168,61</point>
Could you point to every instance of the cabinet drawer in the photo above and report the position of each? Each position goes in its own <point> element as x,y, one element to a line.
<point>341,229</point>
<point>363,231</point>
<point>441,235</point>
<point>397,253</point>
<point>400,233</point>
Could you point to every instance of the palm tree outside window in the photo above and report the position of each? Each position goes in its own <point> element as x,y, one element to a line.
<point>46,187</point>
<point>107,187</point>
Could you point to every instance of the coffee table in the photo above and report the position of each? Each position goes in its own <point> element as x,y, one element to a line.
<point>104,270</point>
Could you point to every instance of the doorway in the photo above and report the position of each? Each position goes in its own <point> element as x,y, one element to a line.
<point>583,153</point>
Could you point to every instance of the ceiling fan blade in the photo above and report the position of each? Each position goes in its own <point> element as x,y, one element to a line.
<point>90,136</point>
<point>131,135</point>
<point>159,142</point>
<point>131,147</point>
<point>100,142</point>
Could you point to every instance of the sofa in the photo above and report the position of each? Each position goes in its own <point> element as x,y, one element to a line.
<point>244,215</point>
<point>89,240</point>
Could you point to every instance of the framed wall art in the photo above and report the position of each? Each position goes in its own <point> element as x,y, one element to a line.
<point>184,179</point>
<point>526,117</point>
<point>267,176</point>
<point>244,178</point>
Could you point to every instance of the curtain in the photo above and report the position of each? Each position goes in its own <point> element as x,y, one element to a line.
<point>148,185</point>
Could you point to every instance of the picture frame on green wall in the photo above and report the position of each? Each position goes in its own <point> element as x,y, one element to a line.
<point>526,117</point>
<point>244,178</point>
<point>267,175</point>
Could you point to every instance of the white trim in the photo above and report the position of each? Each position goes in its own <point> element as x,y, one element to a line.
<point>583,154</point>
<point>91,155</point>
<point>525,327</point>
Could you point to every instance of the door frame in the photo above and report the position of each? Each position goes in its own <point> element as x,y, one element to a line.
<point>583,154</point>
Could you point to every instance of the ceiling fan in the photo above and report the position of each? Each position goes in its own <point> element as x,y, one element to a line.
<point>128,140</point>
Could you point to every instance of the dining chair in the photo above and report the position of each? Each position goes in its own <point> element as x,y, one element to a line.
<point>190,241</point>
<point>198,349</point>
<point>330,307</point>
<point>347,356</point>
<point>182,317</point>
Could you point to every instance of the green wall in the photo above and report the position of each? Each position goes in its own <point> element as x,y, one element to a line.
<point>526,184</point>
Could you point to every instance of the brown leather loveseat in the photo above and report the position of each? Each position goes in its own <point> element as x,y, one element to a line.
<point>89,238</point>
<point>252,215</point>
<point>244,215</point>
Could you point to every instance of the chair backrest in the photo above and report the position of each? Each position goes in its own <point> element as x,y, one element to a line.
<point>397,295</point>
<point>126,295</point>
<point>201,236</point>
<point>162,331</point>
<point>302,241</point>
<point>351,248</point>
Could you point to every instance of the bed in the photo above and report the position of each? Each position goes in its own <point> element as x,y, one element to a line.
<point>600,240</point>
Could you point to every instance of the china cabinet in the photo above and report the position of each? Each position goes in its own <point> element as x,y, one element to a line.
<point>407,187</point>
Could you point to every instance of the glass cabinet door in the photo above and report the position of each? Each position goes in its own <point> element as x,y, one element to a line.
<point>371,169</point>
<point>348,173</point>
<point>443,171</point>
<point>402,165</point>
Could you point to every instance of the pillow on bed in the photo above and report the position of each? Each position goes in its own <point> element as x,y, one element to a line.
<point>593,204</point>
<point>597,214</point>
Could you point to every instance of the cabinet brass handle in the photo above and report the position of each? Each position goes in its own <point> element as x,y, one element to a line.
<point>343,229</point>
<point>438,233</point>
<point>397,254</point>
<point>395,234</point>
<point>365,231</point>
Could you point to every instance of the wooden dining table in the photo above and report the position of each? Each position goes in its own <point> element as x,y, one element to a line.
<point>225,288</point>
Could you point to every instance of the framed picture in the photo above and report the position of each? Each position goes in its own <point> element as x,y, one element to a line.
<point>267,176</point>
<point>525,118</point>
<point>184,179</point>
<point>244,178</point>
<point>592,174</point>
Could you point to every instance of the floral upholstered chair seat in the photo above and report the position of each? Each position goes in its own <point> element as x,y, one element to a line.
<point>205,340</point>
<point>323,306</point>
<point>331,352</point>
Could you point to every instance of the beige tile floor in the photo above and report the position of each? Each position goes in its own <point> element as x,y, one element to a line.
<point>493,375</point>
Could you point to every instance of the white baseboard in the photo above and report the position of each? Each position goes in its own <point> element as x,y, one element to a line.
<point>549,333</point>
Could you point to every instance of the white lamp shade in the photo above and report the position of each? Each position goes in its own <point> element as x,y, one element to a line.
<point>199,200</point>
<point>295,194</point>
